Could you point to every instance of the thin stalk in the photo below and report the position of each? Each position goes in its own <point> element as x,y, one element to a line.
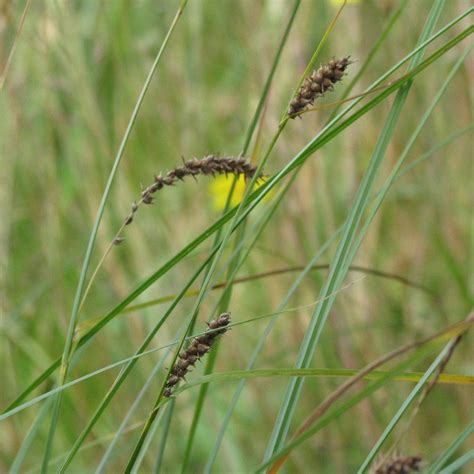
<point>337,411</point>
<point>64,367</point>
<point>375,48</point>
<point>337,271</point>
<point>225,300</point>
<point>256,197</point>
<point>164,436</point>
<point>15,44</point>
<point>324,406</point>
<point>126,370</point>
<point>418,387</point>
<point>451,449</point>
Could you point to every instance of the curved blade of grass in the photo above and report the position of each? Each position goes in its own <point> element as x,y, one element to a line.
<point>164,437</point>
<point>108,453</point>
<point>64,366</point>
<point>340,259</point>
<point>337,411</point>
<point>126,370</point>
<point>452,448</point>
<point>15,468</point>
<point>226,296</point>
<point>322,138</point>
<point>450,332</point>
<point>6,68</point>
<point>413,394</point>
<point>232,376</point>
<point>234,224</point>
<point>459,463</point>
<point>375,48</point>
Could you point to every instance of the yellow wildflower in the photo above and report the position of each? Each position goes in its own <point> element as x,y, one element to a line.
<point>220,186</point>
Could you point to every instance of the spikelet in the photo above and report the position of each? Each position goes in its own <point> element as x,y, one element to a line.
<point>398,465</point>
<point>316,84</point>
<point>199,347</point>
<point>209,165</point>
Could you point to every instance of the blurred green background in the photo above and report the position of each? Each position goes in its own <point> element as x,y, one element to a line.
<point>70,90</point>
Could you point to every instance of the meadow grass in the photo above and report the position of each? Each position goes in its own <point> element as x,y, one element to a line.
<point>347,270</point>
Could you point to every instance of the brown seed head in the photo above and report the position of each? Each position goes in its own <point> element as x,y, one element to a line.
<point>317,83</point>
<point>399,465</point>
<point>208,166</point>
<point>199,346</point>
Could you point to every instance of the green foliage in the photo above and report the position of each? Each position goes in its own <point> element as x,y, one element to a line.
<point>98,98</point>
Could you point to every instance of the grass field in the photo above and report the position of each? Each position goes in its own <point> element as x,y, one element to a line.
<point>96,98</point>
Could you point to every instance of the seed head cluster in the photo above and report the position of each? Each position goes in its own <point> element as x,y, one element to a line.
<point>399,465</point>
<point>208,166</point>
<point>315,85</point>
<point>199,347</point>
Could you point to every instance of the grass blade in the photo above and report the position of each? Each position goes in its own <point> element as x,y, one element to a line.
<point>164,437</point>
<point>226,296</point>
<point>108,453</point>
<point>452,448</point>
<point>323,137</point>
<point>340,259</point>
<point>337,411</point>
<point>125,371</point>
<point>459,463</point>
<point>413,394</point>
<point>15,468</point>
<point>64,366</point>
<point>455,379</point>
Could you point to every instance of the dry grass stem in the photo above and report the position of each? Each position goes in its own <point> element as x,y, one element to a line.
<point>342,389</point>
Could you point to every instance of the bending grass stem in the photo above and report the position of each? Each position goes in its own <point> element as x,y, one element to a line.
<point>258,194</point>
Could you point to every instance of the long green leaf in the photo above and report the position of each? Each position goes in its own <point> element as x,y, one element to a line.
<point>164,436</point>
<point>235,264</point>
<point>459,463</point>
<point>337,411</point>
<point>327,134</point>
<point>92,238</point>
<point>232,376</point>
<point>153,374</point>
<point>341,260</point>
<point>125,371</point>
<point>451,449</point>
<point>396,418</point>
